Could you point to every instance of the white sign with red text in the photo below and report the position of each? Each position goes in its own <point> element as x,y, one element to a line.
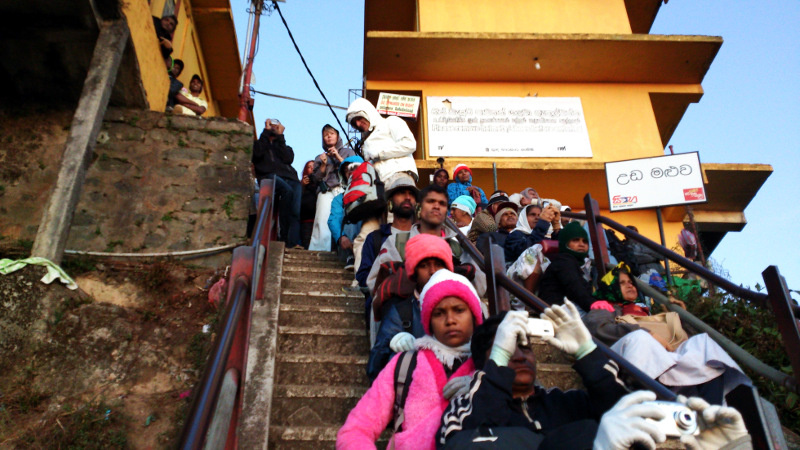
<point>654,182</point>
<point>398,105</point>
<point>492,127</point>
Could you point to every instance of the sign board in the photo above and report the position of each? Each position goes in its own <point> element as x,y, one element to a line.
<point>507,127</point>
<point>398,105</point>
<point>653,182</point>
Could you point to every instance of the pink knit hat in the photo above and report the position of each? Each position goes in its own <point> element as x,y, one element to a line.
<point>445,283</point>
<point>424,246</point>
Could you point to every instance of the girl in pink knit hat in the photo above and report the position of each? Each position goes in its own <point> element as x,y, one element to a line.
<point>450,310</point>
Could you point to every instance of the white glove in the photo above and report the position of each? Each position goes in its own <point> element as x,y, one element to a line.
<point>571,335</point>
<point>402,342</point>
<point>719,425</point>
<point>456,387</point>
<point>512,330</point>
<point>625,424</point>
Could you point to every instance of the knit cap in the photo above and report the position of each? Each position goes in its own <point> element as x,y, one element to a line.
<point>464,203</point>
<point>459,168</point>
<point>423,246</point>
<point>571,231</point>
<point>443,284</point>
<point>502,211</point>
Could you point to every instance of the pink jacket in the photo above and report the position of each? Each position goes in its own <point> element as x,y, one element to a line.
<point>423,409</point>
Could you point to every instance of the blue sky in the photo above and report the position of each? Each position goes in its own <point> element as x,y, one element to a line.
<point>749,113</point>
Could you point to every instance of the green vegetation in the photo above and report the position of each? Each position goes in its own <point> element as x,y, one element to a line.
<point>753,328</point>
<point>91,426</point>
<point>168,217</point>
<point>228,205</point>
<point>112,245</point>
<point>182,143</point>
<point>133,121</point>
<point>78,264</point>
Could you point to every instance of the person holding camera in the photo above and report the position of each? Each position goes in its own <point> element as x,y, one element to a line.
<point>503,395</point>
<point>326,175</point>
<point>272,159</point>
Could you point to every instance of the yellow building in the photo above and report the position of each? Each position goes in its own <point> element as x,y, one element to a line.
<point>205,40</point>
<point>633,87</point>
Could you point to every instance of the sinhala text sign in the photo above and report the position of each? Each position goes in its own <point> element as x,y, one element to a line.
<point>507,127</point>
<point>398,105</point>
<point>653,182</point>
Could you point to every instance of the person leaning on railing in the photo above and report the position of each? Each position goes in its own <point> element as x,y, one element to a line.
<point>659,345</point>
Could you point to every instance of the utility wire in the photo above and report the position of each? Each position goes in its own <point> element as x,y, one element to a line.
<point>277,8</point>
<point>297,99</point>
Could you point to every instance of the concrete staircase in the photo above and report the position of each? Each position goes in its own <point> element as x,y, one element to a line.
<point>308,354</point>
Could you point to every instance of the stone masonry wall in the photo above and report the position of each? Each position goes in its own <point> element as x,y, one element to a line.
<point>157,182</point>
<point>162,183</point>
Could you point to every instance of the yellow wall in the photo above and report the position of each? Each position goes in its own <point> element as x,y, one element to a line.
<point>524,16</point>
<point>619,117</point>
<point>151,65</point>
<point>185,47</point>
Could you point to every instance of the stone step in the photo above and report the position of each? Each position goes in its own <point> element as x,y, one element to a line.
<point>302,438</point>
<point>319,298</point>
<point>292,264</point>
<point>337,341</point>
<point>316,271</point>
<point>293,405</point>
<point>332,316</point>
<point>291,254</point>
<point>546,353</point>
<point>314,284</point>
<point>562,376</point>
<point>311,438</point>
<point>325,369</point>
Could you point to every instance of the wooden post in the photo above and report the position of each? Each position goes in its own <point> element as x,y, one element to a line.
<point>54,227</point>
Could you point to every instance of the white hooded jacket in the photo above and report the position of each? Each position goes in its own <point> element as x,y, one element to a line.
<point>390,144</point>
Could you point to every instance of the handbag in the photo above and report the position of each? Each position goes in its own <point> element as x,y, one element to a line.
<point>666,325</point>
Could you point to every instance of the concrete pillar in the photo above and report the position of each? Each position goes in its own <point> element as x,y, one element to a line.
<point>53,230</point>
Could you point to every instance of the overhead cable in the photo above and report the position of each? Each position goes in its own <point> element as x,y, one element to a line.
<point>297,99</point>
<point>277,8</point>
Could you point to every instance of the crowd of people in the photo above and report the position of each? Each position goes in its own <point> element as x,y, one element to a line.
<point>179,99</point>
<point>443,373</point>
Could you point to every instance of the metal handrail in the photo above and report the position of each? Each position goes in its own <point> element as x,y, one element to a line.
<point>540,305</point>
<point>245,287</point>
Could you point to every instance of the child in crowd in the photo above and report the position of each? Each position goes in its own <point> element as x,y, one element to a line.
<point>450,310</point>
<point>462,185</point>
<point>396,302</point>
<point>569,272</point>
<point>341,233</point>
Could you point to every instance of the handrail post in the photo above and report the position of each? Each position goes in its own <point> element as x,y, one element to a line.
<point>597,235</point>
<point>781,303</point>
<point>495,263</point>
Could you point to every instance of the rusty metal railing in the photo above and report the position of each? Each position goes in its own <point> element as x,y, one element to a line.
<point>216,406</point>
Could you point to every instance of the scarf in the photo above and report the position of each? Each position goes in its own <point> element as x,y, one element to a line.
<point>446,355</point>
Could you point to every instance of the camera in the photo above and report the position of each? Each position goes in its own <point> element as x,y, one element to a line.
<point>679,419</point>
<point>540,328</point>
<point>274,122</point>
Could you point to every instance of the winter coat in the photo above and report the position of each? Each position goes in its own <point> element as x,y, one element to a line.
<point>457,189</point>
<point>490,402</point>
<point>329,172</point>
<point>564,278</point>
<point>389,253</point>
<point>273,157</point>
<point>389,144</point>
<point>336,218</point>
<point>423,407</point>
<point>369,251</point>
<point>523,236</point>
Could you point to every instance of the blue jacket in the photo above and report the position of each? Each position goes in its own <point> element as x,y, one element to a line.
<point>369,253</point>
<point>457,189</point>
<point>517,242</point>
<point>336,219</point>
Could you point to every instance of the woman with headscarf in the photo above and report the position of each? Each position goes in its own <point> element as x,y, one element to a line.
<point>450,311</point>
<point>533,224</point>
<point>569,272</point>
<point>692,366</point>
<point>462,211</point>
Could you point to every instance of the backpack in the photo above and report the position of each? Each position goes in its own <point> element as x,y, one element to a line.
<point>403,372</point>
<point>363,198</point>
